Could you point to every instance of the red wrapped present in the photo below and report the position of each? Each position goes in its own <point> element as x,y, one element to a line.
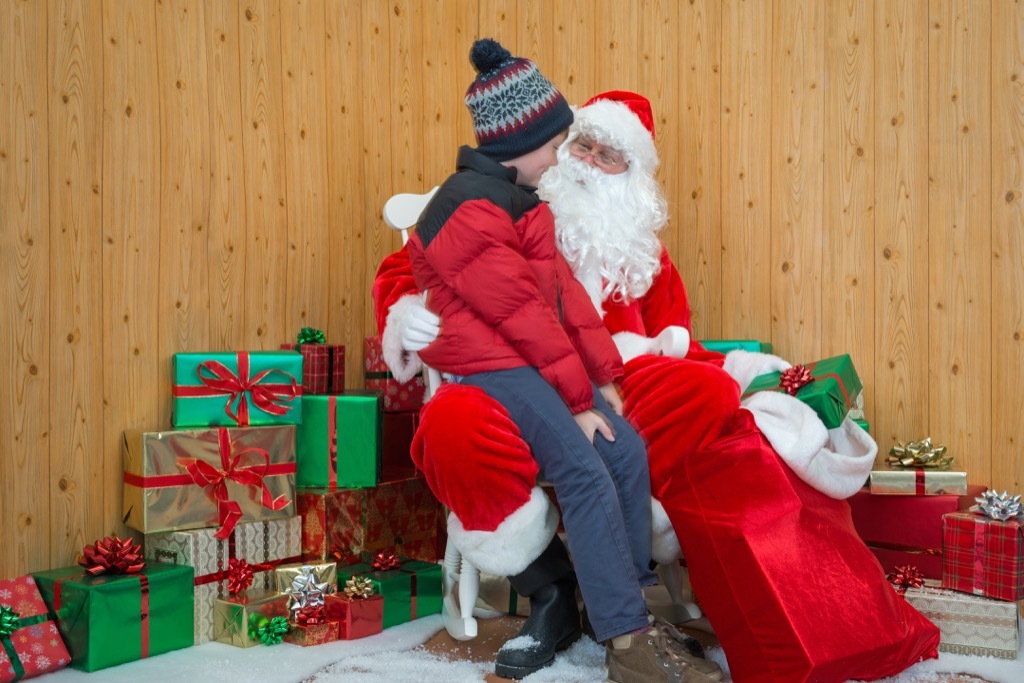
<point>777,566</point>
<point>358,616</point>
<point>398,396</point>
<point>343,524</point>
<point>983,555</point>
<point>906,530</point>
<point>29,642</point>
<point>397,430</point>
<point>323,365</point>
<point>312,627</point>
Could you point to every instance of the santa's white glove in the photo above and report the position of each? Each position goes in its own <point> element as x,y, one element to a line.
<point>673,341</point>
<point>417,327</point>
<point>744,366</point>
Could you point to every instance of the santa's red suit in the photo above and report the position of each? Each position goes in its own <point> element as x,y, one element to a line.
<point>753,492</point>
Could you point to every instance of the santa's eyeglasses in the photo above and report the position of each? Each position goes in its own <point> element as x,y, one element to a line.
<point>604,157</point>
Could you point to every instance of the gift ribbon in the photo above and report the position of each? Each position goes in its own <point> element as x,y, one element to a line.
<point>256,569</point>
<point>332,442</point>
<point>919,483</point>
<point>143,606</point>
<point>217,379</point>
<point>19,622</point>
<point>810,367</point>
<point>204,475</point>
<point>977,581</point>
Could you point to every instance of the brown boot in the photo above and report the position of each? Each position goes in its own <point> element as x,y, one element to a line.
<point>688,648</point>
<point>652,657</point>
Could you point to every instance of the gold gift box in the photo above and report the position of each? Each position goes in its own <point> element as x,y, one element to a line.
<point>160,493</point>
<point>236,618</point>
<point>918,482</point>
<point>323,572</point>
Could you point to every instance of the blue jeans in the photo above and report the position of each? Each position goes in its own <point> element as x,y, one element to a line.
<point>603,489</point>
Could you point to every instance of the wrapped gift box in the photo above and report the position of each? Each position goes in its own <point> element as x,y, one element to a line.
<point>832,394</point>
<point>344,524</point>
<point>398,430</point>
<point>192,479</point>
<point>238,389</point>
<point>262,545</point>
<point>724,346</point>
<point>111,619</point>
<point>323,367</point>
<point>315,634</point>
<point>969,624</point>
<point>237,618</point>
<point>906,529</point>
<point>983,556</point>
<point>338,443</point>
<point>34,647</point>
<point>411,591</point>
<point>357,617</point>
<point>398,396</point>
<point>917,482</point>
<point>320,578</point>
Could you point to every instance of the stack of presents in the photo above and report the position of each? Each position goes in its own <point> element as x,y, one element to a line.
<point>279,508</point>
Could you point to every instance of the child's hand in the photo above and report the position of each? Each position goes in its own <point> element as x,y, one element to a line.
<point>591,421</point>
<point>611,394</point>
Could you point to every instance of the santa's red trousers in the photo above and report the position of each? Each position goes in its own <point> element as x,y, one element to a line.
<point>791,591</point>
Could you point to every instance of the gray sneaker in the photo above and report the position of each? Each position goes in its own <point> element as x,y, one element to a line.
<point>652,657</point>
<point>687,648</point>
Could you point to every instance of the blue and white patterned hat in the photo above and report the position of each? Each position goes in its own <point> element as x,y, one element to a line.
<point>515,109</point>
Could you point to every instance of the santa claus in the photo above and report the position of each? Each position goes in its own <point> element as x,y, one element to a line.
<point>753,492</point>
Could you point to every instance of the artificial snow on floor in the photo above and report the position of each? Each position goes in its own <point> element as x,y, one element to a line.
<point>391,657</point>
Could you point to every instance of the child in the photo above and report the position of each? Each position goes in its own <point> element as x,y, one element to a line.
<point>516,323</point>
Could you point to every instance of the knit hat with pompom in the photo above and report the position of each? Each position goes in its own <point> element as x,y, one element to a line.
<point>515,109</point>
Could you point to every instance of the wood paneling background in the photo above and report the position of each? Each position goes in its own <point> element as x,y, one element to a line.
<point>844,176</point>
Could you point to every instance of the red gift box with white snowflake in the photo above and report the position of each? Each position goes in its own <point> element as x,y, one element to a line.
<point>30,644</point>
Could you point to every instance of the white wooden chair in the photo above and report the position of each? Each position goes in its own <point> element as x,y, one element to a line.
<point>401,212</point>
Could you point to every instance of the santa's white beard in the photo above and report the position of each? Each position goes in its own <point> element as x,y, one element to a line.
<point>606,226</point>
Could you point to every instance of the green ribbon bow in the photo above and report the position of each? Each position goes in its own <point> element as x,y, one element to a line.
<point>10,621</point>
<point>272,632</point>
<point>311,335</point>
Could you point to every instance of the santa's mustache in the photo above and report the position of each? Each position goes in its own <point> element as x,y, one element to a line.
<point>577,171</point>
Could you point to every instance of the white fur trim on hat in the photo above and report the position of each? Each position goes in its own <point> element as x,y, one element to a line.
<point>518,541</point>
<point>631,345</point>
<point>835,462</point>
<point>403,364</point>
<point>612,123</point>
<point>664,543</point>
<point>744,366</point>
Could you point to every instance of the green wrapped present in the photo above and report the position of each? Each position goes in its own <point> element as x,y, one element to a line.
<point>238,389</point>
<point>411,588</point>
<point>111,619</point>
<point>726,345</point>
<point>829,386</point>
<point>338,444</point>
<point>863,424</point>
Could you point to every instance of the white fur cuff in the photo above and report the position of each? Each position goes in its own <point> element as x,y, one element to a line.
<point>631,345</point>
<point>664,543</point>
<point>403,364</point>
<point>518,541</point>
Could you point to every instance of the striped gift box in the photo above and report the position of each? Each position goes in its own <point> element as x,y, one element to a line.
<point>983,556</point>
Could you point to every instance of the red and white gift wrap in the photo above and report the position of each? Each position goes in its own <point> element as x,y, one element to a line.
<point>398,396</point>
<point>969,624</point>
<point>983,556</point>
<point>323,367</point>
<point>34,646</point>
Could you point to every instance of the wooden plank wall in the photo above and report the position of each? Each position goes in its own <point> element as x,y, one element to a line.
<point>183,175</point>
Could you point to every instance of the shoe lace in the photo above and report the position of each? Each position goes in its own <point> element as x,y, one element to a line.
<point>676,640</point>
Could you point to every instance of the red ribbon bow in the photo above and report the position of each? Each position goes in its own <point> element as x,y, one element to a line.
<point>206,475</point>
<point>240,574</point>
<point>112,556</point>
<point>905,576</point>
<point>794,378</point>
<point>384,560</point>
<point>310,615</point>
<point>267,397</point>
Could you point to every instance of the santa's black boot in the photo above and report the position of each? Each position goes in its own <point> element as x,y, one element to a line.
<point>554,621</point>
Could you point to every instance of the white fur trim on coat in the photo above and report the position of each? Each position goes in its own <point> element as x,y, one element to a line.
<point>403,364</point>
<point>744,366</point>
<point>518,541</point>
<point>631,345</point>
<point>664,543</point>
<point>835,462</point>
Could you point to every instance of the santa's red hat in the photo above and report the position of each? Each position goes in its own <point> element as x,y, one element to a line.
<point>623,120</point>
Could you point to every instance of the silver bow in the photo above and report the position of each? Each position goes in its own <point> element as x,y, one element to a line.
<point>1002,506</point>
<point>306,590</point>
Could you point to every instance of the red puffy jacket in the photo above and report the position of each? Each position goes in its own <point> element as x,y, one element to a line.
<point>484,250</point>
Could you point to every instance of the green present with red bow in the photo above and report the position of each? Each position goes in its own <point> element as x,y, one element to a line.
<point>116,608</point>
<point>239,389</point>
<point>323,364</point>
<point>29,642</point>
<point>411,588</point>
<point>829,386</point>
